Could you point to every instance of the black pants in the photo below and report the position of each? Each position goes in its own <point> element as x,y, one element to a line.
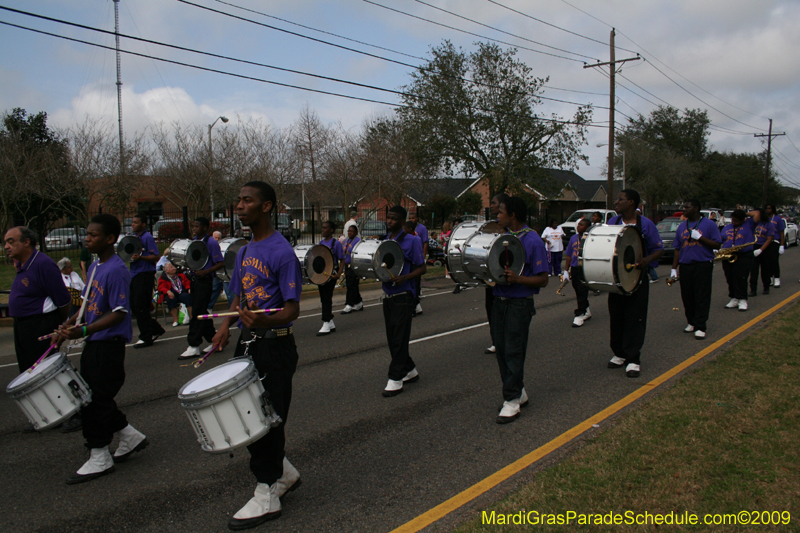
<point>326,298</point>
<point>695,280</point>
<point>277,360</point>
<point>774,257</point>
<point>397,317</point>
<point>201,296</point>
<point>489,302</point>
<point>511,320</point>
<point>29,328</point>
<point>103,368</point>
<point>736,275</point>
<point>418,283</point>
<point>141,298</point>
<point>581,290</point>
<point>764,263</point>
<point>628,316</point>
<point>353,294</point>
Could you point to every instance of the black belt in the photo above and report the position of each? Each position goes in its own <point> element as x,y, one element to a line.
<point>269,333</point>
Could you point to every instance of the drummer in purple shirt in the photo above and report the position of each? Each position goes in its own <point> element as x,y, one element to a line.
<point>143,271</point>
<point>737,233</point>
<point>422,233</point>
<point>399,302</point>
<point>39,300</point>
<point>765,234</point>
<point>513,308</point>
<point>574,270</point>
<point>353,300</point>
<point>628,312</point>
<point>107,330</point>
<point>695,241</point>
<point>326,289</point>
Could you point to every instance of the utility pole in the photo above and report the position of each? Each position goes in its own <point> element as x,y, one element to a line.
<point>612,97</point>
<point>119,92</point>
<point>769,137</point>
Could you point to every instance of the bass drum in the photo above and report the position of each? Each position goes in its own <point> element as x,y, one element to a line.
<point>381,260</point>
<point>129,246</point>
<point>454,251</point>
<point>229,247</point>
<point>607,253</point>
<point>317,263</point>
<point>188,254</point>
<point>486,256</point>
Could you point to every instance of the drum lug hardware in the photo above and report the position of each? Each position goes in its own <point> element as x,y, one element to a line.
<point>77,392</point>
<point>269,412</point>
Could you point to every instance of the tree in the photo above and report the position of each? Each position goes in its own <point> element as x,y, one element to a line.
<point>738,179</point>
<point>312,141</point>
<point>441,207</point>
<point>342,174</point>
<point>475,112</point>
<point>469,203</point>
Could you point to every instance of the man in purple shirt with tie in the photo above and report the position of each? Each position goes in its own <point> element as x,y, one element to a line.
<point>143,272</point>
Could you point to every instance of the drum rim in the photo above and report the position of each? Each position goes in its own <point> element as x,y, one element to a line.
<point>225,245</point>
<point>357,263</point>
<point>308,249</point>
<point>617,287</point>
<point>36,380</point>
<point>494,236</point>
<point>199,399</point>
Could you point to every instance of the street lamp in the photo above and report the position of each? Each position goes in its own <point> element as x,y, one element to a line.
<point>211,160</point>
<point>600,145</point>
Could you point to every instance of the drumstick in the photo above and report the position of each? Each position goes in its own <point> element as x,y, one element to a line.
<point>505,244</point>
<point>202,360</point>
<point>45,354</point>
<point>50,335</point>
<point>383,265</point>
<point>236,313</point>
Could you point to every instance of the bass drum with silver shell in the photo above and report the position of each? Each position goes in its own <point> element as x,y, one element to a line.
<point>456,258</point>
<point>128,246</point>
<point>607,254</point>
<point>229,247</point>
<point>188,254</point>
<point>316,262</point>
<point>486,256</point>
<point>381,260</point>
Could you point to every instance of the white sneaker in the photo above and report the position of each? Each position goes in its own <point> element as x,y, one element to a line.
<point>777,282</point>
<point>264,505</point>
<point>140,341</point>
<point>393,388</point>
<point>577,321</point>
<point>588,314</point>
<point>742,305</point>
<point>418,309</point>
<point>771,281</point>
<point>412,376</point>
<point>347,309</point>
<point>699,334</point>
<point>523,399</point>
<point>632,370</point>
<point>289,481</point>
<point>174,324</point>
<point>509,412</point>
<point>99,464</point>
<point>688,329</point>
<point>616,362</point>
<point>359,306</point>
<point>191,351</point>
<point>733,304</point>
<point>130,441</point>
<point>490,349</point>
<point>327,327</point>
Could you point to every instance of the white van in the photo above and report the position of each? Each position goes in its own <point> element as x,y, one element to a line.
<point>572,221</point>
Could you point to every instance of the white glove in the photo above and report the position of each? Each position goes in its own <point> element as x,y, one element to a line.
<point>757,252</point>
<point>696,235</point>
<point>566,276</point>
<point>781,249</point>
<point>673,273</point>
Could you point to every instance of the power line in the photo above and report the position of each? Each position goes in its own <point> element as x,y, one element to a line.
<point>791,141</point>
<point>467,32</point>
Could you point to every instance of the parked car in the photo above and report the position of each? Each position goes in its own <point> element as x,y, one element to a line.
<point>791,234</point>
<point>162,222</point>
<point>370,228</point>
<point>726,216</point>
<point>667,229</point>
<point>714,214</point>
<point>65,239</point>
<point>569,225</point>
<point>286,227</point>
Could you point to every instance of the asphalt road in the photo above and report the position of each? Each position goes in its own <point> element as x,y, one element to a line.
<point>368,463</point>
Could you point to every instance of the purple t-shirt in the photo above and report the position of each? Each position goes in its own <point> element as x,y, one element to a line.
<point>348,248</point>
<point>779,225</point>
<point>412,254</point>
<point>214,253</point>
<point>336,249</point>
<point>690,250</point>
<point>535,264</point>
<point>650,235</point>
<point>422,233</point>
<point>110,291</point>
<point>573,248</point>
<point>762,231</point>
<point>37,288</point>
<point>270,273</point>
<point>149,247</point>
<point>733,236</point>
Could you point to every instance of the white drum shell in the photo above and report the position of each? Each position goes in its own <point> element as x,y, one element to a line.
<point>52,393</point>
<point>129,246</point>
<point>484,256</point>
<point>229,247</point>
<point>368,255</point>
<point>229,415</point>
<point>188,253</point>
<point>602,255</point>
<point>316,272</point>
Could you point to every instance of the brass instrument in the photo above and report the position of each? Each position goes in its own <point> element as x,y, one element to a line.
<point>670,281</point>
<point>728,254</point>
<point>564,282</point>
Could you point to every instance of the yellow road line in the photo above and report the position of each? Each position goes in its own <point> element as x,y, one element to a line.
<point>445,508</point>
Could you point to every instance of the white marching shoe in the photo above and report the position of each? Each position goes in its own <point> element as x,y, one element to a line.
<point>209,348</point>
<point>130,441</point>
<point>412,376</point>
<point>393,388</point>
<point>327,327</point>
<point>289,481</point>
<point>700,334</point>
<point>359,306</point>
<point>347,309</point>
<point>577,321</point>
<point>777,283</point>
<point>742,305</point>
<point>688,329</point>
<point>733,304</point>
<point>418,309</point>
<point>490,349</point>
<point>99,464</point>
<point>191,351</point>
<point>509,412</point>
<point>264,505</point>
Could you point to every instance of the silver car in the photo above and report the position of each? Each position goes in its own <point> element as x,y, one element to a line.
<point>65,239</point>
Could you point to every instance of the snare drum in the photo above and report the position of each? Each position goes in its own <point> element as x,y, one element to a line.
<point>227,406</point>
<point>368,257</point>
<point>188,253</point>
<point>606,252</point>
<point>229,247</point>
<point>51,393</point>
<point>317,263</point>
<point>454,251</point>
<point>485,257</point>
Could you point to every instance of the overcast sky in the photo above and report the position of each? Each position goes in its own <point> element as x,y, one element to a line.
<point>739,59</point>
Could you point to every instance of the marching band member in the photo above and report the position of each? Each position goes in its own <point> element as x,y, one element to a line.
<point>778,245</point>
<point>202,286</point>
<point>735,234</point>
<point>574,271</point>
<point>764,233</point>
<point>143,273</point>
<point>628,313</point>
<point>422,232</point>
<point>399,302</point>
<point>695,242</point>
<point>269,278</point>
<point>353,300</point>
<point>326,289</point>
<point>108,328</point>
<point>494,208</point>
<point>513,308</point>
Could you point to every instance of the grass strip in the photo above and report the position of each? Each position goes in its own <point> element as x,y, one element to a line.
<point>725,439</point>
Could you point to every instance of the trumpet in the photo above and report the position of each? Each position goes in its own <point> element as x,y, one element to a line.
<point>564,281</point>
<point>729,254</point>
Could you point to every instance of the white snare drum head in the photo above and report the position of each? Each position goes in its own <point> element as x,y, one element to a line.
<point>215,377</point>
<point>45,367</point>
